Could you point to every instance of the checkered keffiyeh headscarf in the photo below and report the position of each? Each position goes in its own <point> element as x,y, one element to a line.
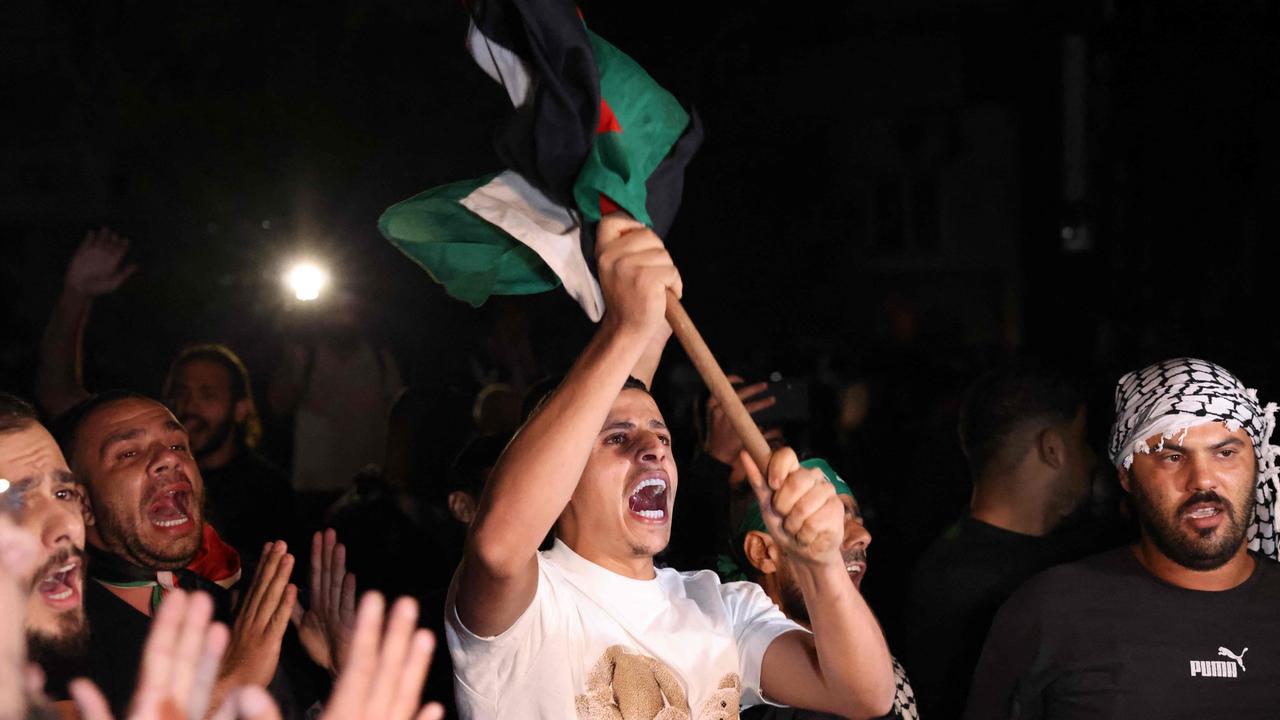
<point>1171,396</point>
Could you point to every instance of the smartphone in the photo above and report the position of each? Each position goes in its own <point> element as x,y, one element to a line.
<point>791,403</point>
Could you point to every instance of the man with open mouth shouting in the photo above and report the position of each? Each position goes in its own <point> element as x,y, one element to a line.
<point>1159,629</point>
<point>147,536</point>
<point>39,492</point>
<point>590,628</point>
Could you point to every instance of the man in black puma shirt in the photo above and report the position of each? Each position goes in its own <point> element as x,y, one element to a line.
<point>1183,623</point>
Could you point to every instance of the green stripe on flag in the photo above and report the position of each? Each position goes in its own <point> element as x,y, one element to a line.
<point>652,120</point>
<point>470,257</point>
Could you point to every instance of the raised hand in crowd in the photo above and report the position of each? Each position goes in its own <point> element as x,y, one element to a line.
<point>325,628</point>
<point>263,617</point>
<point>540,469</point>
<point>635,274</point>
<point>97,267</point>
<point>723,442</point>
<point>385,671</point>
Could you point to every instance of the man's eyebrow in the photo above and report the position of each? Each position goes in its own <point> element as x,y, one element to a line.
<point>65,477</point>
<point>119,436</point>
<point>657,425</point>
<point>174,425</point>
<point>619,425</point>
<point>1174,447</point>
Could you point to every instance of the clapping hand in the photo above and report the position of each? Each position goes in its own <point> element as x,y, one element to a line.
<point>179,670</point>
<point>325,628</point>
<point>254,649</point>
<point>384,673</point>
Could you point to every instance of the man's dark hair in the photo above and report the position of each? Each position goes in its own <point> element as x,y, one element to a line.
<point>66,427</point>
<point>470,470</point>
<point>248,431</point>
<point>1003,401</point>
<point>635,384</point>
<point>15,413</point>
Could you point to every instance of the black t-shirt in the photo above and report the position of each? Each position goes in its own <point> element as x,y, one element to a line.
<point>957,586</point>
<point>118,633</point>
<point>250,502</point>
<point>1103,638</point>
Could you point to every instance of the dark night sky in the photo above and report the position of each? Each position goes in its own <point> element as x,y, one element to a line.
<point>881,176</point>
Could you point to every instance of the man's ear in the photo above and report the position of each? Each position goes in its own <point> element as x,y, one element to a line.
<point>1125,479</point>
<point>761,552</point>
<point>1052,447</point>
<point>241,410</point>
<point>462,506</point>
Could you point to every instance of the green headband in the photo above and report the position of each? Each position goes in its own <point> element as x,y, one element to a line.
<point>753,520</point>
<point>726,566</point>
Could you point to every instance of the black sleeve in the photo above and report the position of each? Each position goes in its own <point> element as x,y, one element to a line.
<point>1004,682</point>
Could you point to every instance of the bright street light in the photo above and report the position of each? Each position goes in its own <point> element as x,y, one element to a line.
<point>306,280</point>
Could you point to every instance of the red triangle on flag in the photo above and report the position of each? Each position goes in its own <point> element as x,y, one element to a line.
<point>608,121</point>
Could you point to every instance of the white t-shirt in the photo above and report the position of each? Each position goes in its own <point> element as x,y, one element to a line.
<point>592,638</point>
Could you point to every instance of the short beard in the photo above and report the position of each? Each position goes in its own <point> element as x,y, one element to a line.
<point>642,551</point>
<point>61,655</point>
<point>126,543</point>
<point>1201,553</point>
<point>218,435</point>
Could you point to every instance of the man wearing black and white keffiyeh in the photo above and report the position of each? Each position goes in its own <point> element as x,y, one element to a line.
<point>1183,623</point>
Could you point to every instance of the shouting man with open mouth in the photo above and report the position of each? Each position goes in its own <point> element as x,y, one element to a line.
<point>38,490</point>
<point>591,628</point>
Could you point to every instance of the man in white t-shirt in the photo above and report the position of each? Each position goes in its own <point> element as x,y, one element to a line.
<point>590,629</point>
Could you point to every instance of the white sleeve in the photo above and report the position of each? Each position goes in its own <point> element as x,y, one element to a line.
<point>757,622</point>
<point>486,667</point>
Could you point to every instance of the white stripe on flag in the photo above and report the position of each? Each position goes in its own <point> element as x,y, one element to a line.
<point>550,230</point>
<point>499,63</point>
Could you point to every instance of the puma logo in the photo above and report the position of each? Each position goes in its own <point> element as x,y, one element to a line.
<point>1238,658</point>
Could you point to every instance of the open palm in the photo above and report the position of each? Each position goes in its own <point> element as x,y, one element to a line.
<point>96,267</point>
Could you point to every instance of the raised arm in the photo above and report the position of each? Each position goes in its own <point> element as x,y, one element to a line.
<point>95,269</point>
<point>537,474</point>
<point>844,667</point>
<point>647,366</point>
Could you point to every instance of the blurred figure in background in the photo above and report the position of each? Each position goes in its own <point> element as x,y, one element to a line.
<point>207,387</point>
<point>96,268</point>
<point>1023,433</point>
<point>247,498</point>
<point>339,385</point>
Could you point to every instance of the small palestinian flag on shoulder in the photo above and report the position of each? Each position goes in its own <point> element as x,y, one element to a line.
<point>589,133</point>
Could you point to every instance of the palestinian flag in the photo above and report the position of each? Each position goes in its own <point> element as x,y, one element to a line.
<point>590,132</point>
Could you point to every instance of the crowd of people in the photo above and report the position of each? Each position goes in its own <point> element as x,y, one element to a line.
<point>553,553</point>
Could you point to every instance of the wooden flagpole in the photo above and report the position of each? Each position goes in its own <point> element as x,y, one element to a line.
<point>721,389</point>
